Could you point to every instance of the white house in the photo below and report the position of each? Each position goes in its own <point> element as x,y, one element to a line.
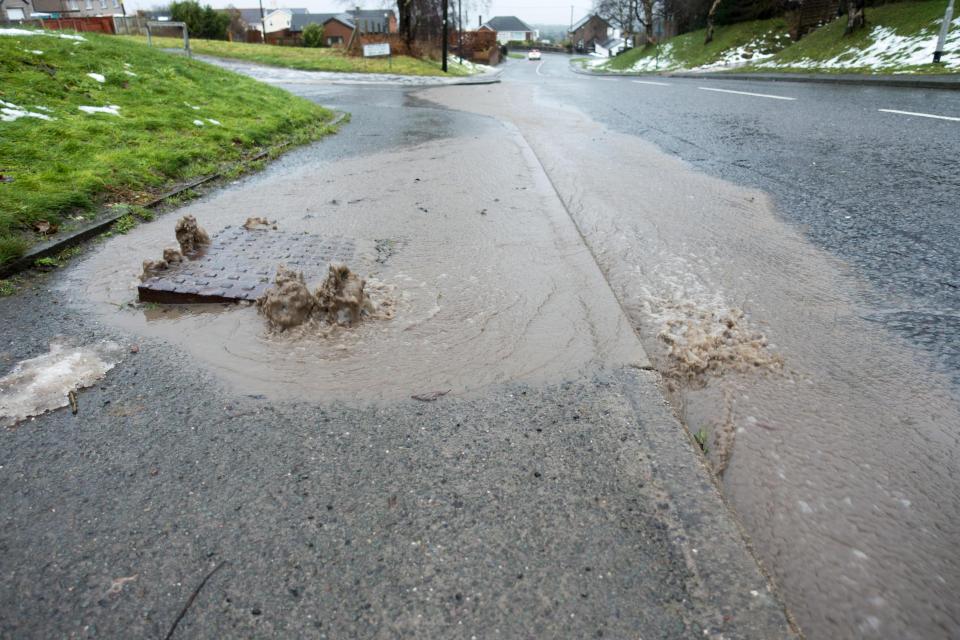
<point>610,47</point>
<point>280,19</point>
<point>509,29</point>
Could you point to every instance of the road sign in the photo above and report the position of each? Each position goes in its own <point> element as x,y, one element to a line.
<point>374,50</point>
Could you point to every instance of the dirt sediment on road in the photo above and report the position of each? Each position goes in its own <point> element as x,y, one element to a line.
<point>841,456</point>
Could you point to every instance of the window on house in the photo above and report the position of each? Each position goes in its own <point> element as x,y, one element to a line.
<point>116,4</point>
<point>88,4</point>
<point>74,5</point>
<point>14,14</point>
<point>332,40</point>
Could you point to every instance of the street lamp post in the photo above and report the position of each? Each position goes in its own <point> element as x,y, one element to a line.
<point>460,30</point>
<point>947,17</point>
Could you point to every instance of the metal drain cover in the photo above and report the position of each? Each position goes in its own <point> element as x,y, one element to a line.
<point>240,265</point>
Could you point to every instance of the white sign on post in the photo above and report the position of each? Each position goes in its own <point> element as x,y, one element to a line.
<point>374,50</point>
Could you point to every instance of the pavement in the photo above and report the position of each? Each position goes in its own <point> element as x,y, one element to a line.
<point>809,225</point>
<point>193,496</point>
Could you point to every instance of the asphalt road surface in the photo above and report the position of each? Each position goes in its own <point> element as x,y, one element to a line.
<point>809,231</point>
<point>224,482</point>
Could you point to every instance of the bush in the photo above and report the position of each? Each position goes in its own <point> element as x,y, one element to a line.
<point>313,35</point>
<point>202,22</point>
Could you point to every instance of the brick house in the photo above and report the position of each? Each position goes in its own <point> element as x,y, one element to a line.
<point>588,31</point>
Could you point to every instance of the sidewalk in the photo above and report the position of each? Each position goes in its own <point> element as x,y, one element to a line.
<point>283,75</point>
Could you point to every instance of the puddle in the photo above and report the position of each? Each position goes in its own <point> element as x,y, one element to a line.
<point>462,299</point>
<point>838,439</point>
<point>44,383</point>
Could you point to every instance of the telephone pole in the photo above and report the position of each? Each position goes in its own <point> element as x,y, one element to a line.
<point>445,36</point>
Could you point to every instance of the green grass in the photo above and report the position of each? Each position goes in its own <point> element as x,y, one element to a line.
<point>687,51</point>
<point>76,162</point>
<point>516,56</point>
<point>311,59</point>
<point>827,50</point>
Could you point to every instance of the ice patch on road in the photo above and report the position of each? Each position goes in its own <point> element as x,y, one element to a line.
<point>111,109</point>
<point>43,384</point>
<point>10,112</point>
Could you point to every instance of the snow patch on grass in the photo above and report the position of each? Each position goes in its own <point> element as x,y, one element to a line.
<point>110,109</point>
<point>888,50</point>
<point>10,112</point>
<point>30,32</point>
<point>98,77</point>
<point>199,123</point>
<point>760,48</point>
<point>212,121</point>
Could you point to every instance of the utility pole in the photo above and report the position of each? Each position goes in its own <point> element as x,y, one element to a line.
<point>571,17</point>
<point>460,30</point>
<point>445,36</point>
<point>947,17</point>
<point>263,26</point>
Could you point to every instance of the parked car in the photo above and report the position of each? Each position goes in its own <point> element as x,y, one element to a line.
<point>534,54</point>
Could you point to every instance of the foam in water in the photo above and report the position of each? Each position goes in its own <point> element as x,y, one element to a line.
<point>43,384</point>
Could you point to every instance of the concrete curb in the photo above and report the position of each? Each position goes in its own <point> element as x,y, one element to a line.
<point>56,245</point>
<point>948,82</point>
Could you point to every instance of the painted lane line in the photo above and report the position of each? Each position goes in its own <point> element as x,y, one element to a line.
<point>921,115</point>
<point>538,68</point>
<point>659,84</point>
<point>746,93</point>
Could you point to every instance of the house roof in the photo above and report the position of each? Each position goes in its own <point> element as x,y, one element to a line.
<point>610,43</point>
<point>584,20</point>
<point>506,23</point>
<point>300,20</point>
<point>373,19</point>
<point>251,16</point>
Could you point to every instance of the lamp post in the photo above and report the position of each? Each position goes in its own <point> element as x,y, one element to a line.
<point>947,17</point>
<point>460,30</point>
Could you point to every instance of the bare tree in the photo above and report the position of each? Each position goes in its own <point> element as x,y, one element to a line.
<point>622,14</point>
<point>646,20</point>
<point>855,16</point>
<point>711,14</point>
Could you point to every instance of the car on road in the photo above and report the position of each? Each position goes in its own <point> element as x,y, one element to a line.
<point>534,54</point>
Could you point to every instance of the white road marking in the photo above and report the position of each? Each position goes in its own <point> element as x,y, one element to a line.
<point>538,68</point>
<point>921,115</point>
<point>659,84</point>
<point>746,93</point>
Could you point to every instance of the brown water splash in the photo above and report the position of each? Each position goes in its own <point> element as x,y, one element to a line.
<point>190,235</point>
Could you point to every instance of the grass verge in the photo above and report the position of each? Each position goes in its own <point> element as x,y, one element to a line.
<point>732,44</point>
<point>899,38</point>
<point>174,120</point>
<point>311,59</point>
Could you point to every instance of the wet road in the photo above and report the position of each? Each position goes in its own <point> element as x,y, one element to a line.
<point>787,254</point>
<point>237,484</point>
<point>877,188</point>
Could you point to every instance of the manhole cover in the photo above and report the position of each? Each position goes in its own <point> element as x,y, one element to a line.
<point>240,265</point>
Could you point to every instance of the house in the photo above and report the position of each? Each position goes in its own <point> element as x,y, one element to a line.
<point>337,27</point>
<point>280,19</point>
<point>77,8</point>
<point>610,47</point>
<point>374,20</point>
<point>588,31</point>
<point>15,10</point>
<point>251,18</point>
<point>510,29</point>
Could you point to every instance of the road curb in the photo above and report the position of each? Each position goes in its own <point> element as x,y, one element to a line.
<point>945,82</point>
<point>98,227</point>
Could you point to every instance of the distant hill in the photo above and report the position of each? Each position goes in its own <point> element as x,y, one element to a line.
<point>554,32</point>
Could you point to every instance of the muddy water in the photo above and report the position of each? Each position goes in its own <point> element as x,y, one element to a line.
<point>841,442</point>
<point>490,279</point>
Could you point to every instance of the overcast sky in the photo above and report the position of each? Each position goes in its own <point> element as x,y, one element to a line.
<point>530,11</point>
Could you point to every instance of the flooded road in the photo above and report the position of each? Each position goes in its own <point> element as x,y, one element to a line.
<point>838,437</point>
<point>489,279</point>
